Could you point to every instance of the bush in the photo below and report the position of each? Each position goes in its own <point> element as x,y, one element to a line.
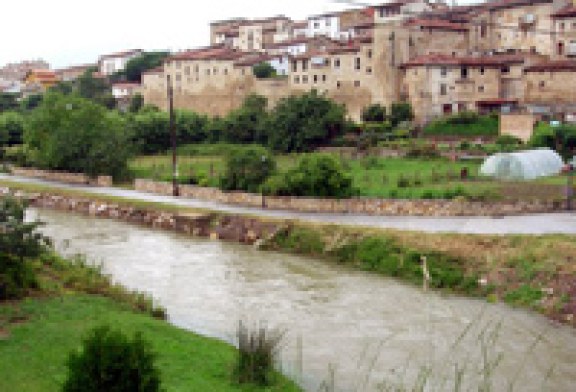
<point>400,112</point>
<point>19,242</point>
<point>263,70</point>
<point>426,151</point>
<point>463,124</point>
<point>11,128</point>
<point>374,113</point>
<point>247,169</point>
<point>560,138</point>
<point>109,361</point>
<point>317,175</point>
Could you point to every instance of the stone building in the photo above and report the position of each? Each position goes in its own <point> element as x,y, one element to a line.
<point>564,42</point>
<point>111,63</point>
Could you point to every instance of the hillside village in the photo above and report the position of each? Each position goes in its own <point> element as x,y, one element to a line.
<point>501,55</point>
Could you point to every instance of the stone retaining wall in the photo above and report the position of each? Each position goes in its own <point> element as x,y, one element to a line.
<point>70,178</point>
<point>384,207</point>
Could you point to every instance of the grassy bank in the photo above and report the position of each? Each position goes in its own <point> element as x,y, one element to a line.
<point>38,333</point>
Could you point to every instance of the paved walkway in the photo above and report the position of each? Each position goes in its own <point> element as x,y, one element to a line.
<point>526,224</point>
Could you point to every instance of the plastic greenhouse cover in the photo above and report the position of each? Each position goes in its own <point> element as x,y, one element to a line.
<point>522,165</point>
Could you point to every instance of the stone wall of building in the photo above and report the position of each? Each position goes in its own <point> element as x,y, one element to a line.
<point>517,125</point>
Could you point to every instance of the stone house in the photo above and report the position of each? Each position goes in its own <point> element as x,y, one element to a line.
<point>564,39</point>
<point>111,63</point>
<point>39,80</point>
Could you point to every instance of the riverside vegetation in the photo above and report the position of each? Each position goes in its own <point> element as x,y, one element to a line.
<point>49,304</point>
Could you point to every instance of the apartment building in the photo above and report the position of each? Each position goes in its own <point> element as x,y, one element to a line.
<point>564,39</point>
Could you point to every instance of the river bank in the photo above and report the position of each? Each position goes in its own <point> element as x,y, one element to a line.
<point>529,271</point>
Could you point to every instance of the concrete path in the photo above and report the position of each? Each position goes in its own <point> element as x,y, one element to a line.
<point>556,223</point>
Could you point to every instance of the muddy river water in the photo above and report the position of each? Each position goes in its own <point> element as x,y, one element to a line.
<point>345,330</point>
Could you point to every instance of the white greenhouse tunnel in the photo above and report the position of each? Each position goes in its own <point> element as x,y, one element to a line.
<point>523,165</point>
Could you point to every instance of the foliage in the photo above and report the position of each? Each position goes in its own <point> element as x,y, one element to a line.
<point>247,169</point>
<point>400,112</point>
<point>316,175</point>
<point>560,138</point>
<point>77,135</point>
<point>31,102</point>
<point>463,124</point>
<point>136,103</point>
<point>426,151</point>
<point>247,124</point>
<point>507,140</point>
<point>11,128</point>
<point>263,70</point>
<point>140,64</point>
<point>96,89</point>
<point>374,113</point>
<point>19,241</point>
<point>257,350</point>
<point>110,361</point>
<point>8,101</point>
<point>302,123</point>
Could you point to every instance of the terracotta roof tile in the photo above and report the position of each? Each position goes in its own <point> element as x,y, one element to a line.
<point>553,66</point>
<point>566,12</point>
<point>445,59</point>
<point>437,24</point>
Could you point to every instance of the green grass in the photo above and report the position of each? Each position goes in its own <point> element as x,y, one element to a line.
<point>37,348</point>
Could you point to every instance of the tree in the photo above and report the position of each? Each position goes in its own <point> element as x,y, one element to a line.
<point>136,103</point>
<point>399,112</point>
<point>19,241</point>
<point>561,138</point>
<point>142,63</point>
<point>247,124</point>
<point>247,169</point>
<point>263,70</point>
<point>11,128</point>
<point>374,113</point>
<point>316,175</point>
<point>8,101</point>
<point>301,123</point>
<point>31,102</point>
<point>95,89</point>
<point>77,135</point>
<point>111,362</point>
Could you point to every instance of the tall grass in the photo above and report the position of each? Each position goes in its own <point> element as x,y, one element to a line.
<point>258,348</point>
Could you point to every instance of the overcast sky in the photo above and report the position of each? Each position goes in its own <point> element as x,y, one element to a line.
<point>69,32</point>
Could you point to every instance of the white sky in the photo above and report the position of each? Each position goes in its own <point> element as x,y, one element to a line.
<point>68,32</point>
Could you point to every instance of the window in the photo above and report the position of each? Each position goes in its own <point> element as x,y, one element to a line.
<point>215,71</point>
<point>315,78</point>
<point>357,63</point>
<point>505,69</point>
<point>443,71</point>
<point>225,71</point>
<point>305,79</point>
<point>369,54</point>
<point>196,68</point>
<point>369,70</point>
<point>542,84</point>
<point>316,25</point>
<point>483,29</point>
<point>207,72</point>
<point>328,22</point>
<point>178,64</point>
<point>561,26</point>
<point>187,70</point>
<point>336,63</point>
<point>480,89</point>
<point>296,79</point>
<point>464,72</point>
<point>178,77</point>
<point>443,90</point>
<point>356,83</point>
<point>481,70</point>
<point>338,84</point>
<point>304,65</point>
<point>294,66</point>
<point>560,49</point>
<point>323,78</point>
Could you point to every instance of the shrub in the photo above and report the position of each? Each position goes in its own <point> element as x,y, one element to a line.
<point>263,70</point>
<point>561,138</point>
<point>109,361</point>
<point>247,169</point>
<point>374,113</point>
<point>11,128</point>
<point>427,151</point>
<point>400,112</point>
<point>464,124</point>
<point>316,175</point>
<point>508,140</point>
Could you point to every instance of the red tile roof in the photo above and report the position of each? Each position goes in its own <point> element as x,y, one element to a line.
<point>501,4</point>
<point>553,66</point>
<point>445,59</point>
<point>436,24</point>
<point>210,53</point>
<point>566,12</point>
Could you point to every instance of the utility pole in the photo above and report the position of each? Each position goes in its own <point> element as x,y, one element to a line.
<point>175,190</point>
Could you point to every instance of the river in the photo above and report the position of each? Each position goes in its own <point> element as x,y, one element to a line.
<point>345,330</point>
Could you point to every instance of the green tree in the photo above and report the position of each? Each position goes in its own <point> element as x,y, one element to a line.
<point>96,89</point>
<point>247,124</point>
<point>11,128</point>
<point>142,63</point>
<point>317,175</point>
<point>302,123</point>
<point>19,241</point>
<point>8,101</point>
<point>263,70</point>
<point>31,102</point>
<point>374,113</point>
<point>399,112</point>
<point>77,135</point>
<point>136,103</point>
<point>111,362</point>
<point>247,169</point>
<point>561,138</point>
